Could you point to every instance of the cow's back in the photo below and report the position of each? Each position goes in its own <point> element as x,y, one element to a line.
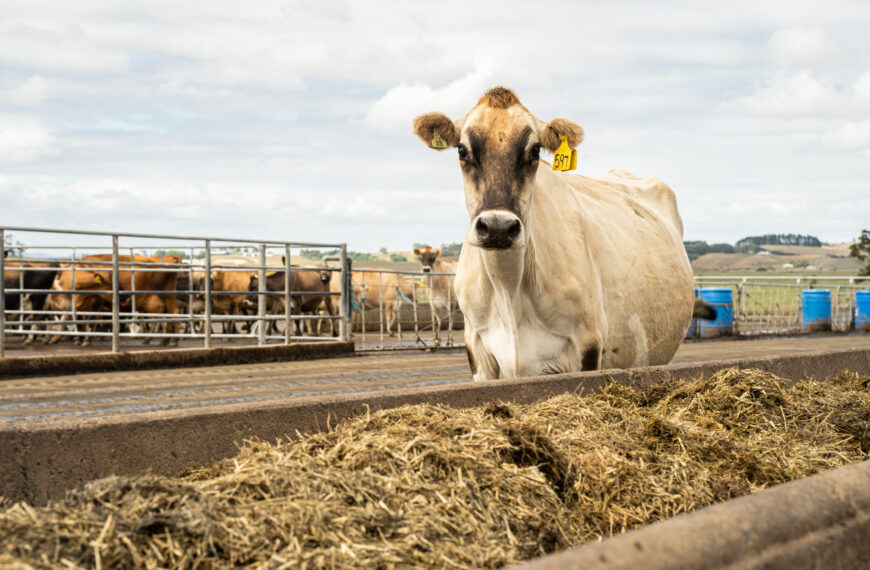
<point>634,236</point>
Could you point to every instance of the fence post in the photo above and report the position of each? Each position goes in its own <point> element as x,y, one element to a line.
<point>208,293</point>
<point>116,297</point>
<point>261,297</point>
<point>288,311</point>
<point>344,325</point>
<point>3,294</point>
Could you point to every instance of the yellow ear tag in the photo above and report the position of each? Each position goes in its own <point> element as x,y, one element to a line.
<point>565,158</point>
<point>437,141</point>
<point>97,279</point>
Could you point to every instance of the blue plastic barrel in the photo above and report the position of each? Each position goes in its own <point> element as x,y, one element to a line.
<point>862,310</point>
<point>723,299</point>
<point>815,310</point>
<point>693,324</point>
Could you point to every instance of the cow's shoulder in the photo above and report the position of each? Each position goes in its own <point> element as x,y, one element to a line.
<point>651,192</point>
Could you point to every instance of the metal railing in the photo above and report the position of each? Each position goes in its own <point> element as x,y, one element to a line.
<point>771,305</point>
<point>404,309</point>
<point>85,291</point>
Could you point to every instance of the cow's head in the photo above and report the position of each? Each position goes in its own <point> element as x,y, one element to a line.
<point>499,143</point>
<point>427,257</point>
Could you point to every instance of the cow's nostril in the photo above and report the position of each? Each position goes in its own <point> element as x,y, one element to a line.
<point>481,227</point>
<point>514,229</point>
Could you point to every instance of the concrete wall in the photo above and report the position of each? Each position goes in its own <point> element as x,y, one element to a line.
<point>40,462</point>
<point>818,522</point>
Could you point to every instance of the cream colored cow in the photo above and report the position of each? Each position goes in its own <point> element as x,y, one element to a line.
<point>559,272</point>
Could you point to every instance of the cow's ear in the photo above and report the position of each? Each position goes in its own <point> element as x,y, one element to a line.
<point>436,130</point>
<point>438,253</point>
<point>552,133</point>
<point>97,278</point>
<point>417,251</point>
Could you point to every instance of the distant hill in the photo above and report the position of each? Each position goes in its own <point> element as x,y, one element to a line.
<point>831,258</point>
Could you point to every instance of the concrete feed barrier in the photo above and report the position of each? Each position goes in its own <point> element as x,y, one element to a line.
<point>40,462</point>
<point>817,522</point>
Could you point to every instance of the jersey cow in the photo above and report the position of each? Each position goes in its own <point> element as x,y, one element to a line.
<point>441,297</point>
<point>559,272</point>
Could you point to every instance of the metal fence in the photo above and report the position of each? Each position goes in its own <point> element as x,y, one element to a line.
<point>224,289</point>
<point>404,309</point>
<point>772,305</point>
<point>108,286</point>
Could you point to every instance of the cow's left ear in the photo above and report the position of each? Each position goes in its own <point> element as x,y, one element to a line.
<point>97,278</point>
<point>552,133</point>
<point>436,130</point>
<point>438,253</point>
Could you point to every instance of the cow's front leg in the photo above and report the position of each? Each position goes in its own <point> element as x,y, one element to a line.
<point>483,364</point>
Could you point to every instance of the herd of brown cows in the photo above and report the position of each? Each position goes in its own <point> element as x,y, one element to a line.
<point>67,299</point>
<point>159,293</point>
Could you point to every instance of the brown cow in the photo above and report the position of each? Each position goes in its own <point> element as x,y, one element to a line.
<point>373,291</point>
<point>303,280</point>
<point>230,303</point>
<point>96,280</point>
<point>441,296</point>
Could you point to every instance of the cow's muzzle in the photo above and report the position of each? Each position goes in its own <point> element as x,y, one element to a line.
<point>497,229</point>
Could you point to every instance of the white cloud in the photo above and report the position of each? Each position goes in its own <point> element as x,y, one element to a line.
<point>395,111</point>
<point>849,136</point>
<point>31,92</point>
<point>788,95</point>
<point>800,47</point>
<point>23,139</point>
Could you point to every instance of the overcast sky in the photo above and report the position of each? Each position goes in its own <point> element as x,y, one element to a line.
<point>292,119</point>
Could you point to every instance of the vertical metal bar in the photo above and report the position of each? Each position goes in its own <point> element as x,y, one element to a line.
<point>397,307</point>
<point>208,293</point>
<point>344,325</point>
<point>381,306</point>
<point>288,311</point>
<point>433,307</point>
<point>449,281</point>
<point>190,295</point>
<point>72,272</point>
<point>3,294</point>
<point>261,298</point>
<point>116,297</point>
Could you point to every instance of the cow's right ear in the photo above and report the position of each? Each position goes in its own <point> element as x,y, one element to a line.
<point>417,251</point>
<point>436,130</point>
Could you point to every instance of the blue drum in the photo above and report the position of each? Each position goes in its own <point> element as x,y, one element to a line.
<point>723,299</point>
<point>815,310</point>
<point>862,310</point>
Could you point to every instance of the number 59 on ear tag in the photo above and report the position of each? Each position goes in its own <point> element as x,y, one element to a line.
<point>565,158</point>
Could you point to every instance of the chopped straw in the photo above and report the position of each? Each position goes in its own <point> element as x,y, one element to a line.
<point>432,486</point>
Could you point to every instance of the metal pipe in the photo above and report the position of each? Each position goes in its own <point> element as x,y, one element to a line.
<point>287,308</point>
<point>261,299</point>
<point>157,236</point>
<point>344,325</point>
<point>208,300</point>
<point>3,294</point>
<point>116,296</point>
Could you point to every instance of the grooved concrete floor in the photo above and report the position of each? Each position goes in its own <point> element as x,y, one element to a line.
<point>92,396</point>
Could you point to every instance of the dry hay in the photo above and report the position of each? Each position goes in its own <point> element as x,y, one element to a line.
<point>434,486</point>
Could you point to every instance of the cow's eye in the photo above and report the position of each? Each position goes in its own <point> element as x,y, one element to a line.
<point>535,151</point>
<point>463,152</point>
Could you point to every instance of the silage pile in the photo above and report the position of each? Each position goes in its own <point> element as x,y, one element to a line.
<point>432,486</point>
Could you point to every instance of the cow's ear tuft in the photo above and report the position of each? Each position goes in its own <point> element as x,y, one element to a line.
<point>436,130</point>
<point>557,128</point>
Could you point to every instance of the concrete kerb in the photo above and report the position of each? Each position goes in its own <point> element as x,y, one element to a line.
<point>42,461</point>
<point>817,522</point>
<point>53,364</point>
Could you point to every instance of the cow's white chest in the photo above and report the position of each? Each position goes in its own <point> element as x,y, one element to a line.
<point>525,348</point>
